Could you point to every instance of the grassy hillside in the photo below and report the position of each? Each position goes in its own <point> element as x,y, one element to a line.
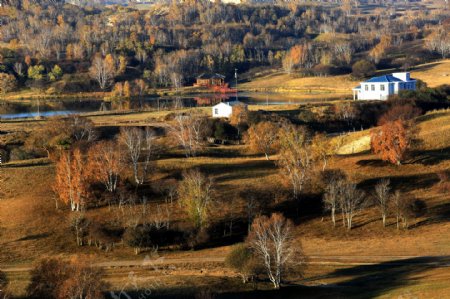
<point>434,130</point>
<point>32,228</point>
<point>434,74</point>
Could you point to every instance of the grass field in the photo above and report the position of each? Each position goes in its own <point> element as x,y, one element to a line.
<point>40,230</point>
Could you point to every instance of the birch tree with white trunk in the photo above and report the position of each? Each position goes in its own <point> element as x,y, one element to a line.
<point>272,240</point>
<point>382,197</point>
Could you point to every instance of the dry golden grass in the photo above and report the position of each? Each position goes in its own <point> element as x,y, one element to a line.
<point>39,230</point>
<point>434,73</point>
<point>308,88</point>
<point>433,129</point>
<point>333,87</point>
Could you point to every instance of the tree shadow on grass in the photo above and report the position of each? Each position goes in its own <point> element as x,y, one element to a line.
<point>370,281</point>
<point>35,237</point>
<point>364,281</point>
<point>436,214</point>
<point>430,157</point>
<point>241,170</point>
<point>308,207</point>
<point>402,183</point>
<point>372,163</point>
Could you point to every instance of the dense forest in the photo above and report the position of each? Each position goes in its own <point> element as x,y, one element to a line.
<point>75,48</point>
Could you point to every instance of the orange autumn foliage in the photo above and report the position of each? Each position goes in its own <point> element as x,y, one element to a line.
<point>391,141</point>
<point>71,182</point>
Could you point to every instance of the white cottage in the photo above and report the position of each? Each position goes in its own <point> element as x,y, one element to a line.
<point>225,109</point>
<point>380,88</point>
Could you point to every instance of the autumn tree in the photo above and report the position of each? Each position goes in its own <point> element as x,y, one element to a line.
<point>391,141</point>
<point>363,69</point>
<point>262,138</point>
<point>62,133</point>
<point>295,159</point>
<point>382,198</point>
<point>439,41</point>
<point>272,240</point>
<point>297,56</point>
<point>103,70</point>
<point>239,117</point>
<point>401,206</point>
<point>195,192</point>
<point>242,260</point>
<point>71,182</point>
<point>139,144</point>
<point>81,129</point>
<point>106,163</point>
<point>85,281</point>
<point>322,149</point>
<point>346,6</point>
<point>351,201</point>
<point>7,83</point>
<point>403,112</point>
<point>346,111</point>
<point>380,49</point>
<point>332,196</point>
<point>189,131</point>
<point>61,279</point>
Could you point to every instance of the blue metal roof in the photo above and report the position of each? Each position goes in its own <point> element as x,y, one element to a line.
<point>384,79</point>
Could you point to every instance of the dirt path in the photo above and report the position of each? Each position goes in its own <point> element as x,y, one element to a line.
<point>437,261</point>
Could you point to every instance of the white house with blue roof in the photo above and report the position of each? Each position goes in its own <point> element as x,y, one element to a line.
<point>380,88</point>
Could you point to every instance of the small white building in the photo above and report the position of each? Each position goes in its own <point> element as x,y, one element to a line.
<point>225,109</point>
<point>380,88</point>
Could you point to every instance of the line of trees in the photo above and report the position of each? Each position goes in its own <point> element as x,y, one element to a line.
<point>342,196</point>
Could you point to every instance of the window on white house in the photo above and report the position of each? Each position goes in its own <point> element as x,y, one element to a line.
<point>367,87</point>
<point>372,87</point>
<point>382,87</point>
<point>216,111</point>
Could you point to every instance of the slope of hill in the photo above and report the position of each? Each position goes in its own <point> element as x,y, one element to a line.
<point>434,74</point>
<point>434,129</point>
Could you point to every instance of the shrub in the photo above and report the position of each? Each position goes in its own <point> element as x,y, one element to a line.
<point>242,260</point>
<point>224,131</point>
<point>363,68</point>
<point>58,279</point>
<point>146,236</point>
<point>36,72</point>
<point>7,83</point>
<point>306,116</point>
<point>404,112</point>
<point>418,207</point>
<point>56,73</point>
<point>18,154</point>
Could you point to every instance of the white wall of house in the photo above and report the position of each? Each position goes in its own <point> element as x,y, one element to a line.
<point>375,91</point>
<point>222,110</point>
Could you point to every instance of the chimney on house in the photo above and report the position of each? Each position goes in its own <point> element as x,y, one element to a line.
<point>402,76</point>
